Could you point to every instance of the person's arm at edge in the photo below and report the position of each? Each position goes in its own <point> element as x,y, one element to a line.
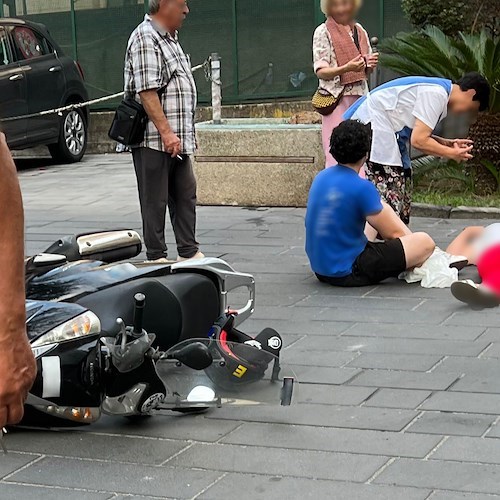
<point>17,364</point>
<point>423,140</point>
<point>151,102</point>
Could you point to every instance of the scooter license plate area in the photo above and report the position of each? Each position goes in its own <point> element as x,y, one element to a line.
<point>235,375</point>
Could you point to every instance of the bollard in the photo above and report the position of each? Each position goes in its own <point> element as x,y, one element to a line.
<point>374,76</point>
<point>216,88</point>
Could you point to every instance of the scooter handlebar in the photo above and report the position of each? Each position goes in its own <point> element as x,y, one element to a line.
<point>140,302</point>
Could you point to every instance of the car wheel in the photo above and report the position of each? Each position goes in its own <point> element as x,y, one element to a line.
<point>73,137</point>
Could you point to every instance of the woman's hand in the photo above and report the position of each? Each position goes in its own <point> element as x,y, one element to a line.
<point>356,64</point>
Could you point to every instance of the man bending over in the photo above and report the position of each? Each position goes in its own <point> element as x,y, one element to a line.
<point>340,204</point>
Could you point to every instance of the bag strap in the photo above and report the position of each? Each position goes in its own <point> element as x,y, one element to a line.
<point>355,36</point>
<point>161,91</point>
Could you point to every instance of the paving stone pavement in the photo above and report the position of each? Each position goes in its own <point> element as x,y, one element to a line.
<point>399,394</point>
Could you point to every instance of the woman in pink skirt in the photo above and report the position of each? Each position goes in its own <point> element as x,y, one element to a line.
<point>342,58</point>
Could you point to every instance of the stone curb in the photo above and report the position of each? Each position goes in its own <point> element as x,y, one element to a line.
<point>448,212</point>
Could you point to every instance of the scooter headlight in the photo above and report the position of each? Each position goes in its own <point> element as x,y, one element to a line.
<point>83,325</point>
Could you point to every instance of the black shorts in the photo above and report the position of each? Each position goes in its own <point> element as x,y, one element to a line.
<point>377,262</point>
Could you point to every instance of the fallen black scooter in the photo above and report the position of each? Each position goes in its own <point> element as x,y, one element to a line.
<point>122,338</point>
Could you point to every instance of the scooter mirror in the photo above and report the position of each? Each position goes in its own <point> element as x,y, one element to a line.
<point>48,259</point>
<point>196,356</point>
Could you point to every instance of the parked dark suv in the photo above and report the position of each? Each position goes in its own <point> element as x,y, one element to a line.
<point>35,76</point>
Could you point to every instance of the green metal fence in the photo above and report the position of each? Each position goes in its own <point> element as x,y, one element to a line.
<point>265,45</point>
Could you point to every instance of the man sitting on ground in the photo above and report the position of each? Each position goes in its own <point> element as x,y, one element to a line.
<point>340,204</point>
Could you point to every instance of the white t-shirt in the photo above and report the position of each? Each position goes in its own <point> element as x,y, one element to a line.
<point>391,109</point>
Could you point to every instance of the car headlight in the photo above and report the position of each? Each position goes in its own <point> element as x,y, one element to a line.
<point>83,325</point>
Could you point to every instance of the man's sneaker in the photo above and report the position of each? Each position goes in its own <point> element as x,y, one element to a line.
<point>458,262</point>
<point>199,255</point>
<point>474,295</point>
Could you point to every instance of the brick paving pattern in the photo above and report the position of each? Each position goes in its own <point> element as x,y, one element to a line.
<point>399,386</point>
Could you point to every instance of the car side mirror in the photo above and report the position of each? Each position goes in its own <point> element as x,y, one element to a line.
<point>196,356</point>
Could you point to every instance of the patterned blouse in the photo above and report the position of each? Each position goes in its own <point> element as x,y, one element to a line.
<point>324,57</point>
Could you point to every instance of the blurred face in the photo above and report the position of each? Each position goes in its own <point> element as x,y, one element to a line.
<point>462,102</point>
<point>173,13</point>
<point>343,11</point>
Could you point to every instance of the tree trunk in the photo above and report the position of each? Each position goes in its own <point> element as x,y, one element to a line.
<point>485,133</point>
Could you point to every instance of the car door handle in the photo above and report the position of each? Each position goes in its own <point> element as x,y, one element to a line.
<point>55,69</point>
<point>16,77</point>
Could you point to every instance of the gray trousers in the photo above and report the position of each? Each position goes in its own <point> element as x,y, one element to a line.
<point>165,181</point>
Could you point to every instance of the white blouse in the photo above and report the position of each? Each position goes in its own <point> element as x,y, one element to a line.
<point>324,57</point>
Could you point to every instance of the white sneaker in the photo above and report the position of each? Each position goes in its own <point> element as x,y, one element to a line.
<point>474,295</point>
<point>199,255</point>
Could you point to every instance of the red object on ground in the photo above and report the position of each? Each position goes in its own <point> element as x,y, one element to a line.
<point>489,268</point>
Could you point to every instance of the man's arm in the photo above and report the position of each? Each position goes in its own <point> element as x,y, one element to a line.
<point>388,224</point>
<point>17,364</point>
<point>154,109</point>
<point>423,140</point>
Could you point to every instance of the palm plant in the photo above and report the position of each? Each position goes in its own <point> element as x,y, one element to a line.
<point>432,53</point>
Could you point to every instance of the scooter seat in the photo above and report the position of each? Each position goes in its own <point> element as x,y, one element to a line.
<point>178,306</point>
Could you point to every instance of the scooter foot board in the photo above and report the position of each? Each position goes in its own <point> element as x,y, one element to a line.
<point>238,375</point>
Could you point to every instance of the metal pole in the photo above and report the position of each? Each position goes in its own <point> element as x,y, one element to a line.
<point>381,19</point>
<point>25,8</point>
<point>236,69</point>
<point>73,30</point>
<point>216,88</point>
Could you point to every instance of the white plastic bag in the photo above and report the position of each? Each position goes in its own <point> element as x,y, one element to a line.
<point>434,273</point>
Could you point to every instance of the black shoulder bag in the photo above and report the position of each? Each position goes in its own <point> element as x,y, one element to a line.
<point>130,120</point>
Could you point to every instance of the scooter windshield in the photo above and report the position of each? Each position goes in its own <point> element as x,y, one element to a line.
<point>202,373</point>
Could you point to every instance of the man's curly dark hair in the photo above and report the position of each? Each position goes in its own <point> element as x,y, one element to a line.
<point>350,142</point>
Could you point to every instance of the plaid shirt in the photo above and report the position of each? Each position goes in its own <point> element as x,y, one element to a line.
<point>155,60</point>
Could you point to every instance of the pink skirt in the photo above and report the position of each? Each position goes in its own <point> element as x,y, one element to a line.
<point>332,121</point>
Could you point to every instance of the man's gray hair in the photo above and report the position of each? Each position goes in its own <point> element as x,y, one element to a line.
<point>154,6</point>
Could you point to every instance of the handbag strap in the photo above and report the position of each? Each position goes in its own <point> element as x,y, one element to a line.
<point>355,36</point>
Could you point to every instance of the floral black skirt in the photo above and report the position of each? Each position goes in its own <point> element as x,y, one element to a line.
<point>394,185</point>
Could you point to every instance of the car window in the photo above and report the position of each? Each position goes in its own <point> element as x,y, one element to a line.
<point>5,55</point>
<point>29,44</point>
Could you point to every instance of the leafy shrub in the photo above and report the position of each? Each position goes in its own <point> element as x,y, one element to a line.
<point>453,16</point>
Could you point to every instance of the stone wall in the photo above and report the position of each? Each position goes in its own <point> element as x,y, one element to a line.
<point>257,162</point>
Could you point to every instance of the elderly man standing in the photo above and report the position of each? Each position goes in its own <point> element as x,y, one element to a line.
<point>158,73</point>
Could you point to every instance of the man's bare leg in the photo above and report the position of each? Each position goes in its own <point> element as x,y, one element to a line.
<point>418,248</point>
<point>371,233</point>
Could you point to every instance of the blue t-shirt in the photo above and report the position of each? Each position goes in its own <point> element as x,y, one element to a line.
<point>339,203</point>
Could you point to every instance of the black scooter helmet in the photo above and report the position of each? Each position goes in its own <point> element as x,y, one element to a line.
<point>244,359</point>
